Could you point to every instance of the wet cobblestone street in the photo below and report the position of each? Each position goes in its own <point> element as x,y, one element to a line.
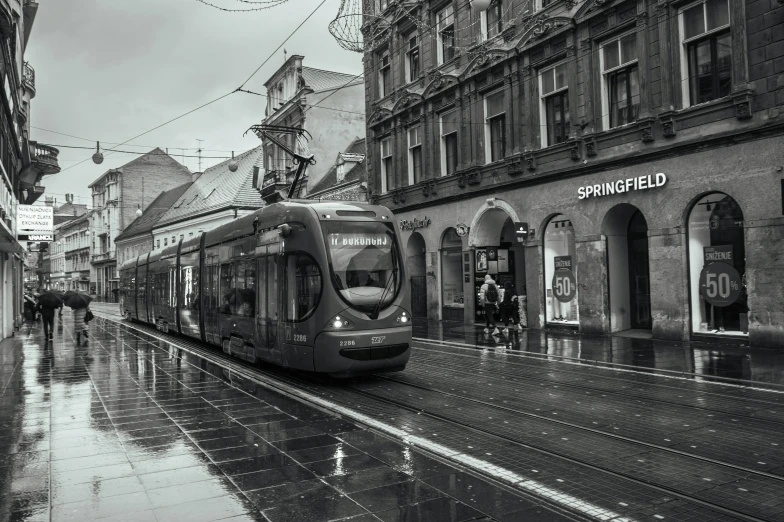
<point>140,425</point>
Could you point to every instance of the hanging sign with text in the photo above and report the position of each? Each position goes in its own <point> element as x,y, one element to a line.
<point>564,281</point>
<point>34,223</point>
<point>521,231</point>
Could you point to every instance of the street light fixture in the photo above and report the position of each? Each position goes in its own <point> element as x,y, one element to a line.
<point>98,156</point>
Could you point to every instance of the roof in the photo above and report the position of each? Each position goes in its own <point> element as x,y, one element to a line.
<point>153,213</point>
<point>219,189</point>
<point>321,80</point>
<point>356,170</point>
<point>154,152</point>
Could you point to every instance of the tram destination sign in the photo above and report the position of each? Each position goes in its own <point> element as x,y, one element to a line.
<point>620,186</point>
<point>34,223</point>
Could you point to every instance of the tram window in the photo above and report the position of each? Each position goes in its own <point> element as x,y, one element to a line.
<point>226,289</point>
<point>303,286</point>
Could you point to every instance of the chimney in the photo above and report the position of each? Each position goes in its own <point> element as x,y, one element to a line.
<point>256,177</point>
<point>69,198</point>
<point>195,176</point>
<point>49,201</point>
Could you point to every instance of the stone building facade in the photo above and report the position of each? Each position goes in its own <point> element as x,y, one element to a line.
<point>621,163</point>
<point>117,195</point>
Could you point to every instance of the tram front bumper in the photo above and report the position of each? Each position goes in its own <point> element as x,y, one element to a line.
<point>362,351</point>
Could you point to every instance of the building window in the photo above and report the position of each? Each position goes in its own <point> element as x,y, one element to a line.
<point>387,174</point>
<point>190,234</point>
<point>707,48</point>
<point>445,27</point>
<point>449,124</point>
<point>491,20</point>
<point>414,155</point>
<point>158,244</point>
<point>495,127</point>
<point>412,59</point>
<point>621,81</point>
<point>555,105</point>
<point>385,75</point>
<point>174,240</point>
<point>165,241</point>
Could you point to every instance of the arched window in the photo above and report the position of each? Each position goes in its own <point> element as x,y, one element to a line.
<point>717,266</point>
<point>560,281</point>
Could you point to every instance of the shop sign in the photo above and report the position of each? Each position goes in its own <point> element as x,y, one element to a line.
<point>722,253</point>
<point>564,281</point>
<point>720,284</point>
<point>521,231</point>
<point>461,229</point>
<point>414,223</point>
<point>34,223</point>
<point>622,185</point>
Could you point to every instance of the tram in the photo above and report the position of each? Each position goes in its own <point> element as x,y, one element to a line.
<point>315,286</point>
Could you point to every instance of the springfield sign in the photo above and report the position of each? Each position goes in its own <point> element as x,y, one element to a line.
<point>34,223</point>
<point>622,185</point>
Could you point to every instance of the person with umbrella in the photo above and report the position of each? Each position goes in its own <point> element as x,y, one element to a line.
<point>47,304</point>
<point>79,302</point>
<point>30,305</point>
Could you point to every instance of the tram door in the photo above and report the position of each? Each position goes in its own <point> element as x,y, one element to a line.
<point>267,306</point>
<point>210,283</point>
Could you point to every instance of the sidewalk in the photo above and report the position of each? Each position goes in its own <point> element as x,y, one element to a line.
<point>720,359</point>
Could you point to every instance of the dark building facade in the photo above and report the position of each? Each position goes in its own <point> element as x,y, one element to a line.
<point>621,163</point>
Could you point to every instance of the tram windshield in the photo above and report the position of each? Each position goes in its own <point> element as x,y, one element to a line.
<point>364,263</point>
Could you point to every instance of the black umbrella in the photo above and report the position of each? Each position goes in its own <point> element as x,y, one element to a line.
<point>77,300</point>
<point>49,299</point>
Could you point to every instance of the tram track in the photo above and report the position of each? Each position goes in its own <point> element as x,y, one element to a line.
<point>354,388</point>
<point>627,391</point>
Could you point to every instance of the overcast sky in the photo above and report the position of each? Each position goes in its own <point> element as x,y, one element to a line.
<point>111,69</point>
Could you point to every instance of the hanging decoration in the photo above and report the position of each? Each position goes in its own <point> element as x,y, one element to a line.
<point>233,165</point>
<point>355,29</point>
<point>98,156</point>
<point>261,5</point>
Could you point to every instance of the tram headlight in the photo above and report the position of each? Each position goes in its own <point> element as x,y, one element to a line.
<point>339,322</point>
<point>403,318</point>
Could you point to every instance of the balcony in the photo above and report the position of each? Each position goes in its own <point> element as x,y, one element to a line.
<point>275,181</point>
<point>28,78</point>
<point>44,158</point>
<point>103,258</point>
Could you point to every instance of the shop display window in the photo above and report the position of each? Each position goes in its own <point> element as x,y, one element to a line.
<point>717,267</point>
<point>560,279</point>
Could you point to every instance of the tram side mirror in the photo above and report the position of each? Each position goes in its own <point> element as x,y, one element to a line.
<point>285,230</point>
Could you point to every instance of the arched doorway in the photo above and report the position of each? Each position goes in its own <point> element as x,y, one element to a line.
<point>496,251</point>
<point>717,266</point>
<point>627,254</point>
<point>452,296</point>
<point>416,266</point>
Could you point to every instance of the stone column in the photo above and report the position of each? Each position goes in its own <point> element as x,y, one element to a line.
<point>643,66</point>
<point>571,67</point>
<point>397,164</point>
<point>764,281</point>
<point>665,55</point>
<point>586,57</point>
<point>669,281</point>
<point>463,136</point>
<point>740,66</point>
<point>510,84</point>
<point>477,123</point>
<point>432,143</point>
<point>534,284</point>
<point>433,287</point>
<point>593,284</point>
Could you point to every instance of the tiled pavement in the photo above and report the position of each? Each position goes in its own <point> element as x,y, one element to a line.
<point>124,429</point>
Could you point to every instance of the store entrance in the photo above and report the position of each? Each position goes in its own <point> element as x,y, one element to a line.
<point>415,264</point>
<point>626,231</point>
<point>639,274</point>
<point>500,256</point>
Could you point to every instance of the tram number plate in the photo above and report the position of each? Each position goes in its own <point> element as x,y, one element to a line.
<point>300,338</point>
<point>348,343</point>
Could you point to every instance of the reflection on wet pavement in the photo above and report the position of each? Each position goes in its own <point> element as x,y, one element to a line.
<point>721,358</point>
<point>124,429</point>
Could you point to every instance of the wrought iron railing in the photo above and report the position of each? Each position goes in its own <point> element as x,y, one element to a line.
<point>28,76</point>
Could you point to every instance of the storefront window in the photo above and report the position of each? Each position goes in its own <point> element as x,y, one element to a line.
<point>560,281</point>
<point>717,267</point>
<point>452,297</point>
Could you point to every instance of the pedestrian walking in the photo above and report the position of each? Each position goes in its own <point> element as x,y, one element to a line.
<point>510,307</point>
<point>488,296</point>
<point>48,303</point>
<point>80,303</point>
